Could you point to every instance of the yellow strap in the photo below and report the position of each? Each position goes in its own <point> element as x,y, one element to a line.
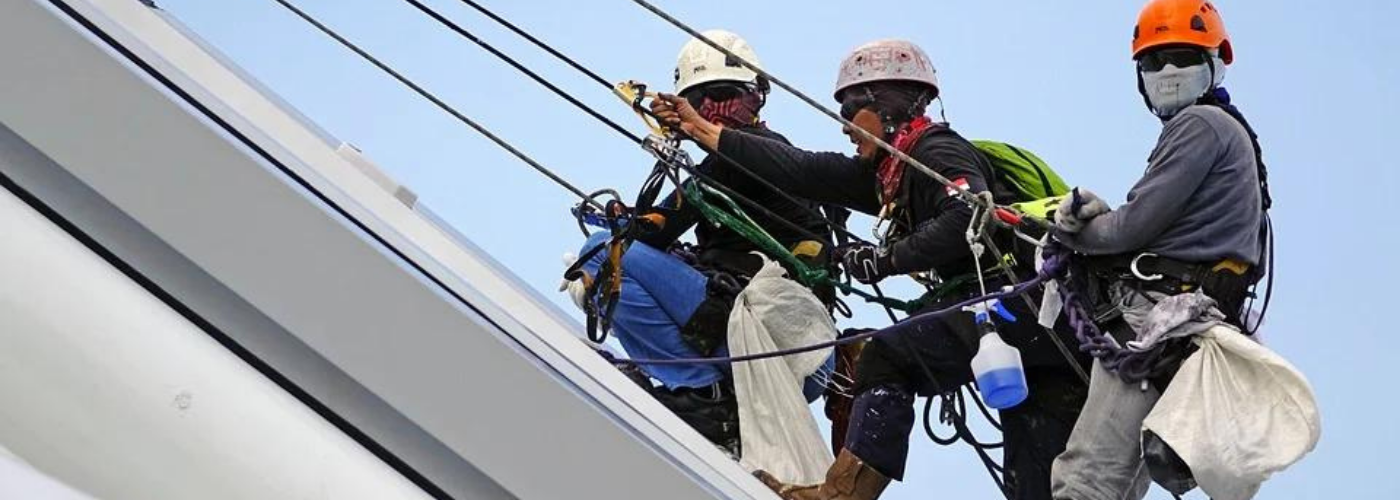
<point>632,93</point>
<point>810,249</point>
<point>1234,266</point>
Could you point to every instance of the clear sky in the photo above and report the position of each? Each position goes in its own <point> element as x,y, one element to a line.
<point>1316,79</point>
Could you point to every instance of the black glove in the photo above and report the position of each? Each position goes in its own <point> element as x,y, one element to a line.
<point>867,264</point>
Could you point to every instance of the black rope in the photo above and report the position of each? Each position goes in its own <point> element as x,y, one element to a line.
<point>538,43</point>
<point>440,103</point>
<point>542,45</point>
<point>963,193</point>
<point>506,145</point>
<point>521,68</point>
<point>1065,351</point>
<point>955,409</point>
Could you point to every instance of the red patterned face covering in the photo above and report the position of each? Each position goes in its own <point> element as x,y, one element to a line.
<point>891,170</point>
<point>740,111</point>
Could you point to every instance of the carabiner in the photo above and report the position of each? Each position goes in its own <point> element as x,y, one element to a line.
<point>632,93</point>
<point>1137,273</point>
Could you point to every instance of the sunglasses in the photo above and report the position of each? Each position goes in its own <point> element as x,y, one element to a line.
<point>1180,57</point>
<point>853,103</point>
<point>717,92</point>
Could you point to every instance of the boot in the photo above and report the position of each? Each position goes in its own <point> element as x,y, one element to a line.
<point>847,479</point>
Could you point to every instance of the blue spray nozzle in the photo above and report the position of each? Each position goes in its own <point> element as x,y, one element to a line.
<point>982,312</point>
<point>1003,312</point>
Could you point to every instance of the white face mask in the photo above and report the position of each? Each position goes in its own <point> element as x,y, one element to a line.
<point>1173,89</point>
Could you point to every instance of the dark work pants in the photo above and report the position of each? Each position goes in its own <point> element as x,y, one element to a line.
<point>890,374</point>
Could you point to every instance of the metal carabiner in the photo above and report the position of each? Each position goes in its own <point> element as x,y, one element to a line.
<point>1137,273</point>
<point>880,230</point>
<point>632,93</point>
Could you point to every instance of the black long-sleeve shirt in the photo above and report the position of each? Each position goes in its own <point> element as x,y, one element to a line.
<point>718,242</point>
<point>937,219</point>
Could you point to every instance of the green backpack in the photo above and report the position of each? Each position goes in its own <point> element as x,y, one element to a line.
<point>1022,171</point>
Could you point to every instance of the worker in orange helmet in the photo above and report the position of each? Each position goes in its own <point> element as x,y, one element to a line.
<point>1178,258</point>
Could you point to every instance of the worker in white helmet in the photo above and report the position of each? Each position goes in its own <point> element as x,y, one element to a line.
<point>670,309</point>
<point>884,88</point>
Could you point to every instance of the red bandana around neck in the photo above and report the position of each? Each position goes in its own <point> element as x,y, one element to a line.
<point>738,112</point>
<point>891,170</point>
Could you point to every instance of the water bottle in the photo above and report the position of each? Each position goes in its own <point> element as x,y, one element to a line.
<point>997,366</point>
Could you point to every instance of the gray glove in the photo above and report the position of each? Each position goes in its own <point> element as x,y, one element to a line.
<point>1073,214</point>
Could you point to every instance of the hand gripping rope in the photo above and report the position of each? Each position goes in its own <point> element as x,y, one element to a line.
<point>624,223</point>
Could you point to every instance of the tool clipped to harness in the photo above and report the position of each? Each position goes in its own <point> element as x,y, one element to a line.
<point>1000,376</point>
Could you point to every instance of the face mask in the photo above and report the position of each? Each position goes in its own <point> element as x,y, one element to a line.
<point>1173,89</point>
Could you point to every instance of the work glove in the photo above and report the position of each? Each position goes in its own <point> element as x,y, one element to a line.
<point>867,263</point>
<point>1083,205</point>
<point>578,288</point>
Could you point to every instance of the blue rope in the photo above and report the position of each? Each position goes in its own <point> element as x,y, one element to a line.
<point>931,315</point>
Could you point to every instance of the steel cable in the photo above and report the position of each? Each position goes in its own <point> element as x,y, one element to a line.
<point>440,103</point>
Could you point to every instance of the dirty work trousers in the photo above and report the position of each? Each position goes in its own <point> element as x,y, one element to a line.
<point>929,357</point>
<point>1103,459</point>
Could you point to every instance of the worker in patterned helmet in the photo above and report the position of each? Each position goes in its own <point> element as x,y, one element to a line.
<point>885,88</point>
<point>1177,259</point>
<point>671,309</point>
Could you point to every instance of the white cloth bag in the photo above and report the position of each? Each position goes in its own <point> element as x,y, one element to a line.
<point>1236,413</point>
<point>776,428</point>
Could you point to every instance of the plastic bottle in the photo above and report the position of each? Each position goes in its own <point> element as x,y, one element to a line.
<point>997,366</point>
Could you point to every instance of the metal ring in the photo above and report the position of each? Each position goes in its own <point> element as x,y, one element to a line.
<point>1137,273</point>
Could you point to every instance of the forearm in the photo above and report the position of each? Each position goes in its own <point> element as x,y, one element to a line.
<point>706,134</point>
<point>937,243</point>
<point>821,177</point>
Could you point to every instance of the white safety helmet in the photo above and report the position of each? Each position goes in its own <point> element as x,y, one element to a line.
<point>700,63</point>
<point>886,60</point>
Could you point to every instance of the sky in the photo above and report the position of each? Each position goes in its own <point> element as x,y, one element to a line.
<point>1052,77</point>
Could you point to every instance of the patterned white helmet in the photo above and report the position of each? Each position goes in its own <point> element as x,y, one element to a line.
<point>699,63</point>
<point>886,60</point>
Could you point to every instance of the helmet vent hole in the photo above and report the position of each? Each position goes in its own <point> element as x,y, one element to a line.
<point>1198,24</point>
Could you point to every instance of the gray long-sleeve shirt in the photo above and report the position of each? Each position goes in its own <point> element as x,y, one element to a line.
<point>1199,200</point>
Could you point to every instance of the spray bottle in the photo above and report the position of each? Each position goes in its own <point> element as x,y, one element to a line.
<point>997,366</point>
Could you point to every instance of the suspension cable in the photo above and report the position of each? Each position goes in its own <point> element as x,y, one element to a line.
<point>521,68</point>
<point>456,28</point>
<point>502,142</point>
<point>963,192</point>
<point>539,43</point>
<point>593,75</point>
<point>966,194</point>
<point>441,104</point>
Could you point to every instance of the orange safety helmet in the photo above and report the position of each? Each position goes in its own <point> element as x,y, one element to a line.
<point>1177,22</point>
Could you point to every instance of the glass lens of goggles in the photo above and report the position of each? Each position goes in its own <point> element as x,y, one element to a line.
<point>717,92</point>
<point>853,103</point>
<point>1181,57</point>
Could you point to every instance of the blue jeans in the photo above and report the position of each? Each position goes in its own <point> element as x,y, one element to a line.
<point>659,294</point>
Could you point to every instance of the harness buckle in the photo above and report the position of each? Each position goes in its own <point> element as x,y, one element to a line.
<point>1137,273</point>
<point>667,150</point>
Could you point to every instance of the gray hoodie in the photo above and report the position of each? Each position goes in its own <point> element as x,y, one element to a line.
<point>1199,200</point>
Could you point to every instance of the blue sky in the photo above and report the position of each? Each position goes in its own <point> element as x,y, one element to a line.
<point>1315,78</point>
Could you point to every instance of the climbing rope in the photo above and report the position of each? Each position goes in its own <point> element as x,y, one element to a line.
<point>624,223</point>
<point>966,194</point>
<point>919,318</point>
<point>629,93</point>
<point>440,103</point>
<point>1003,216</point>
<point>738,221</point>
